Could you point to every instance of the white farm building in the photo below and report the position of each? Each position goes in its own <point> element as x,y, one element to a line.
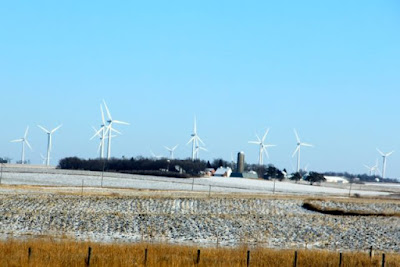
<point>336,179</point>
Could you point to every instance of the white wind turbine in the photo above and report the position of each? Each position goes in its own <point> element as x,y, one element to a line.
<point>43,158</point>
<point>384,156</point>
<point>49,139</point>
<point>195,140</point>
<point>263,147</point>
<point>24,141</point>
<point>171,151</point>
<point>298,148</point>
<point>155,156</point>
<point>110,129</point>
<point>101,133</point>
<point>370,169</point>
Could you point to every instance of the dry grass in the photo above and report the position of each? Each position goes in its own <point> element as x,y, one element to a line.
<point>48,252</point>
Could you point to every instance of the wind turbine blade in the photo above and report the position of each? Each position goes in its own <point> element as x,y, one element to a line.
<point>167,148</point>
<point>258,138</point>
<point>265,135</point>
<point>174,147</point>
<point>17,140</point>
<point>297,149</point>
<point>202,148</point>
<point>201,141</point>
<point>380,152</point>
<point>297,136</point>
<point>29,145</point>
<point>102,115</point>
<point>390,153</point>
<point>268,145</point>
<point>254,142</point>
<point>55,129</point>
<point>305,144</point>
<point>152,153</point>
<point>26,132</point>
<point>97,133</point>
<point>115,131</point>
<point>266,153</point>
<point>44,129</point>
<point>191,140</point>
<point>195,126</point>
<point>107,110</point>
<point>121,122</point>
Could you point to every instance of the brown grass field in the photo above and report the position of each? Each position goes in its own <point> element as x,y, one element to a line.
<point>49,252</point>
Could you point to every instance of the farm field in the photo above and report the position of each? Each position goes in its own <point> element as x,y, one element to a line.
<point>65,178</point>
<point>132,211</point>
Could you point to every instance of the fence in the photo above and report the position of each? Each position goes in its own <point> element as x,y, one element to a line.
<point>198,260</point>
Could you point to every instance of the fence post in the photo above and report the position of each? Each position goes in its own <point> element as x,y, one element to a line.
<point>102,173</point>
<point>29,253</point>
<point>371,252</point>
<point>383,260</point>
<point>273,190</point>
<point>88,257</point>
<point>198,257</point>
<point>145,257</point>
<point>1,175</point>
<point>248,258</point>
<point>350,189</point>
<point>340,259</point>
<point>82,187</point>
<point>295,259</point>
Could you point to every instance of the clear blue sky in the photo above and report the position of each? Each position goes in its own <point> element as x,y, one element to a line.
<point>328,68</point>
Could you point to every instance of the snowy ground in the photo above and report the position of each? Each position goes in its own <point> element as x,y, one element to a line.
<point>238,211</point>
<point>67,178</point>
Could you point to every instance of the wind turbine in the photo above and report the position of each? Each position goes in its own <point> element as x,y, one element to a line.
<point>24,141</point>
<point>299,145</point>
<point>101,133</point>
<point>110,129</point>
<point>49,137</point>
<point>43,158</point>
<point>195,140</point>
<point>155,156</point>
<point>370,169</point>
<point>171,151</point>
<point>263,147</point>
<point>384,161</point>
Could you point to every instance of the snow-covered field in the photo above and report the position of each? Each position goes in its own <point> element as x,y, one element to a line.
<point>237,210</point>
<point>55,177</point>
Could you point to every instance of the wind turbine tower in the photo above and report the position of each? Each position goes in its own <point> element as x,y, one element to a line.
<point>195,140</point>
<point>49,139</point>
<point>263,147</point>
<point>24,141</point>
<point>298,148</point>
<point>384,156</point>
<point>110,129</point>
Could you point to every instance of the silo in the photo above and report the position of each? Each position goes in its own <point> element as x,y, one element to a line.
<point>240,162</point>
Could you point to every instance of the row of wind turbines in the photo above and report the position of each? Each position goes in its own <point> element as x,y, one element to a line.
<point>106,131</point>
<point>24,141</point>
<point>263,150</point>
